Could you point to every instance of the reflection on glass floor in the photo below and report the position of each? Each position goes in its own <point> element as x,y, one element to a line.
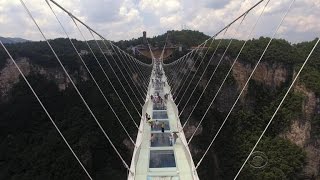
<point>163,178</point>
<point>156,92</point>
<point>161,139</point>
<point>162,159</point>
<point>159,115</point>
<point>156,127</point>
<point>158,106</point>
<point>158,88</point>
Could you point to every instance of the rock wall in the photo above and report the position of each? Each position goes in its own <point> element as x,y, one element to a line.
<point>272,75</point>
<point>300,132</point>
<point>9,75</point>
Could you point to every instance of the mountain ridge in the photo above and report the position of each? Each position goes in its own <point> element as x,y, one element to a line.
<point>14,40</point>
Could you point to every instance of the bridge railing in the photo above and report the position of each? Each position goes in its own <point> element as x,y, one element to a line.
<point>183,140</point>
<point>137,148</point>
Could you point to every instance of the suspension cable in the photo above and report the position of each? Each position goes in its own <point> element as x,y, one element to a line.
<point>46,111</point>
<point>94,80</point>
<point>207,84</point>
<point>88,27</point>
<point>71,81</point>
<point>274,114</point>
<point>170,71</point>
<point>178,68</point>
<point>115,61</point>
<point>186,75</point>
<point>175,82</point>
<point>202,59</point>
<point>133,63</point>
<point>203,91</point>
<point>234,104</point>
<point>131,69</point>
<point>126,66</point>
<point>112,69</point>
<point>204,70</point>
<point>216,94</point>
<point>105,74</point>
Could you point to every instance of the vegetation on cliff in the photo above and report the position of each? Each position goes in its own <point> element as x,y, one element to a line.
<point>32,149</point>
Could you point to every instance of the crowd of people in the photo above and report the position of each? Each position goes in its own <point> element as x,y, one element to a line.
<point>159,103</point>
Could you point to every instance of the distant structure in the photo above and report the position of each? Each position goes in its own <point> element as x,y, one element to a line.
<point>143,49</point>
<point>144,39</point>
<point>180,47</point>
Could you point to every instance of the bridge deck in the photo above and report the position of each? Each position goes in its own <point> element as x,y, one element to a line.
<point>157,156</point>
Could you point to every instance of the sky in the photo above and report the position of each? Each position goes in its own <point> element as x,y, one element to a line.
<point>127,19</point>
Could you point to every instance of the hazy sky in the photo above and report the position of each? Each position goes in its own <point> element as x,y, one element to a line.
<point>126,19</point>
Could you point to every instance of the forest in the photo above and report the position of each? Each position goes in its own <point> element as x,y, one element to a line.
<point>31,148</point>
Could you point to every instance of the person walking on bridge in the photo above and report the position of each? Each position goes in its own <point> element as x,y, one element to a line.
<point>162,127</point>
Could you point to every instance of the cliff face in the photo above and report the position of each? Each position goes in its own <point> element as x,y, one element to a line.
<point>271,75</point>
<point>9,75</point>
<point>299,133</point>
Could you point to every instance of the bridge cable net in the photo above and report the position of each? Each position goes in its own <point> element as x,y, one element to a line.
<point>208,82</point>
<point>115,61</point>
<point>191,69</point>
<point>230,69</point>
<point>126,80</point>
<point>92,30</point>
<point>258,62</point>
<point>226,76</point>
<point>133,69</point>
<point>144,73</point>
<point>279,106</point>
<point>171,78</point>
<point>103,70</point>
<point>185,63</point>
<point>186,89</point>
<point>209,78</point>
<point>137,70</point>
<point>45,110</point>
<point>180,77</point>
<point>185,75</point>
<point>227,26</point>
<point>125,59</point>
<point>179,67</point>
<point>244,44</point>
<point>75,87</point>
<point>126,68</point>
<point>94,80</point>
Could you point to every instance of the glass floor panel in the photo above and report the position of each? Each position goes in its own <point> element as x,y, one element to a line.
<point>156,127</point>
<point>161,139</point>
<point>158,88</point>
<point>163,177</point>
<point>156,92</point>
<point>162,159</point>
<point>158,106</point>
<point>159,115</point>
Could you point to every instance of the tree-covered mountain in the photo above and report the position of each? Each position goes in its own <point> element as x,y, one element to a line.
<point>8,40</point>
<point>187,38</point>
<point>31,148</point>
<point>290,144</point>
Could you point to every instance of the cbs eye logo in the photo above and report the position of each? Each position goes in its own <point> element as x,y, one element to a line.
<point>258,160</point>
